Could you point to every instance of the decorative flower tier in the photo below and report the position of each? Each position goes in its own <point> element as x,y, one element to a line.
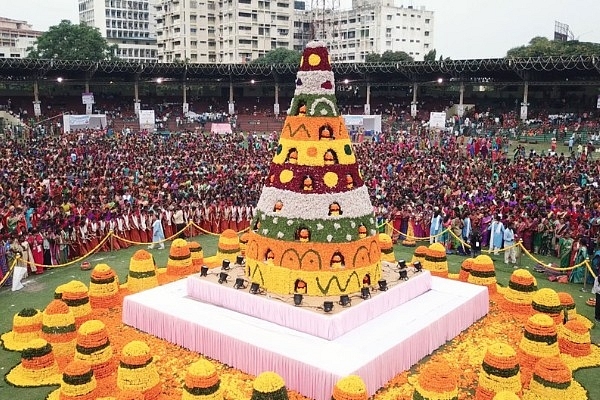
<point>269,386</point>
<point>104,287</point>
<point>437,381</point>
<point>142,272</point>
<point>574,339</point>
<point>27,325</point>
<point>483,273</point>
<point>180,260</point>
<point>387,248</point>
<point>504,395</point>
<point>94,347</point>
<point>314,224</point>
<point>546,301</point>
<point>540,340</point>
<point>552,380</point>
<point>521,287</point>
<point>202,382</point>
<point>499,372</point>
<point>436,261</point>
<point>137,371</point>
<point>75,295</point>
<point>465,269</point>
<point>569,307</point>
<point>350,388</point>
<point>244,243</point>
<point>38,366</point>
<point>58,328</point>
<point>78,383</point>
<point>419,255</point>
<point>197,255</point>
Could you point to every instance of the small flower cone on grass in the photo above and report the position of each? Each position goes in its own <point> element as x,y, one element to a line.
<point>94,347</point>
<point>202,382</point>
<point>499,372</point>
<point>483,273</point>
<point>436,261</point>
<point>38,366</point>
<point>540,340</point>
<point>180,260</point>
<point>78,383</point>
<point>27,325</point>
<point>137,371</point>
<point>75,295</point>
<point>269,386</point>
<point>387,248</point>
<point>574,339</point>
<point>519,294</point>
<point>197,255</point>
<point>350,388</point>
<point>552,380</point>
<point>142,272</point>
<point>104,287</point>
<point>419,255</point>
<point>436,381</point>
<point>58,292</point>
<point>546,301</point>
<point>58,328</point>
<point>465,269</point>
<point>228,248</point>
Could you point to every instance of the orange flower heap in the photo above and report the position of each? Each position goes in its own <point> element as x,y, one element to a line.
<point>387,248</point>
<point>569,307</point>
<point>180,260</point>
<point>197,255</point>
<point>142,272</point>
<point>202,382</point>
<point>228,248</point>
<point>75,295</point>
<point>269,386</point>
<point>574,339</point>
<point>58,328</point>
<point>419,255</point>
<point>465,269</point>
<point>27,325</point>
<point>137,371</point>
<point>78,383</point>
<point>539,341</point>
<point>435,260</point>
<point>436,381</point>
<point>38,366</point>
<point>94,347</point>
<point>518,296</point>
<point>483,273</point>
<point>350,388</point>
<point>546,301</point>
<point>104,287</point>
<point>500,372</point>
<point>552,380</point>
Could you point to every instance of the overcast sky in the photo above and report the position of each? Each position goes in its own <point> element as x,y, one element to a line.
<point>463,28</point>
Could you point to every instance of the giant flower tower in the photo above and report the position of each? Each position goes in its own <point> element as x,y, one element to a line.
<point>314,230</point>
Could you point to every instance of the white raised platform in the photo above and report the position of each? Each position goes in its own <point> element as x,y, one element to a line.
<point>326,326</point>
<point>376,350</point>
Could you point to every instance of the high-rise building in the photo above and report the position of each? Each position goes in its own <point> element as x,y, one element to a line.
<point>15,37</point>
<point>130,24</point>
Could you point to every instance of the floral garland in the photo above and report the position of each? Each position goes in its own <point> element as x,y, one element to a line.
<point>500,372</point>
<point>483,273</point>
<point>27,325</point>
<point>574,339</point>
<point>137,371</point>
<point>465,269</point>
<point>539,341</point>
<point>104,287</point>
<point>75,295</point>
<point>38,366</point>
<point>437,381</point>
<point>78,383</point>
<point>546,301</point>
<point>180,259</point>
<point>94,347</point>
<point>197,255</point>
<point>142,272</point>
<point>269,386</point>
<point>350,388</point>
<point>202,382</point>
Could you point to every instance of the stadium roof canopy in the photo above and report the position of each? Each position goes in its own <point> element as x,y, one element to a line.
<point>544,70</point>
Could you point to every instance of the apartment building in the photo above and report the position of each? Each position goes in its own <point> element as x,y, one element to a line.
<point>15,37</point>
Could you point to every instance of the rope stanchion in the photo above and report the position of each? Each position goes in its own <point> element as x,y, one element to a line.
<point>173,236</point>
<point>212,233</point>
<point>415,237</point>
<point>9,272</point>
<point>549,266</point>
<point>589,268</point>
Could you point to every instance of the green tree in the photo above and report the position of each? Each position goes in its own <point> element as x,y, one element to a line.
<point>544,47</point>
<point>430,56</point>
<point>279,56</point>
<point>67,41</point>
<point>388,56</point>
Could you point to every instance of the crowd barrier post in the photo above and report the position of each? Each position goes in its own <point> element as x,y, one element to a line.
<point>519,249</point>
<point>585,275</point>
<point>111,241</point>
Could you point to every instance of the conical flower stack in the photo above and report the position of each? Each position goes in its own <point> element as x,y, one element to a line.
<point>142,272</point>
<point>505,395</point>
<point>521,287</point>
<point>314,209</point>
<point>78,383</point>
<point>483,273</point>
<point>137,371</point>
<point>569,307</point>
<point>75,295</point>
<point>574,339</point>
<point>552,380</point>
<point>419,255</point>
<point>27,325</point>
<point>546,301</point>
<point>437,381</point>
<point>38,366</point>
<point>94,347</point>
<point>104,287</point>
<point>409,238</point>
<point>244,243</point>
<point>180,260</point>
<point>269,386</point>
<point>202,382</point>
<point>58,292</point>
<point>540,340</point>
<point>197,255</point>
<point>499,372</point>
<point>435,260</point>
<point>58,328</point>
<point>387,248</point>
<point>465,269</point>
<point>228,248</point>
<point>350,388</point>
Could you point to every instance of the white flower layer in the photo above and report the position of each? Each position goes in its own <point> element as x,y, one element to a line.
<point>312,81</point>
<point>354,203</point>
<point>315,43</point>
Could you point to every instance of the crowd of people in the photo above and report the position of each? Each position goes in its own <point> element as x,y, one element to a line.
<point>61,194</point>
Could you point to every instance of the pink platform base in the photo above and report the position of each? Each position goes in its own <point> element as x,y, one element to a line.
<point>376,350</point>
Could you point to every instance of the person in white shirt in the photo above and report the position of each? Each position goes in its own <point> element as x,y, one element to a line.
<point>158,235</point>
<point>510,251</point>
<point>596,291</point>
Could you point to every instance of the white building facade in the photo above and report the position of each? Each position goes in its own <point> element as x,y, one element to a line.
<point>130,24</point>
<point>15,37</point>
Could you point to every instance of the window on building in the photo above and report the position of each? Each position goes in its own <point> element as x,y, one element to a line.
<point>389,17</point>
<point>427,20</point>
<point>426,45</point>
<point>426,33</point>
